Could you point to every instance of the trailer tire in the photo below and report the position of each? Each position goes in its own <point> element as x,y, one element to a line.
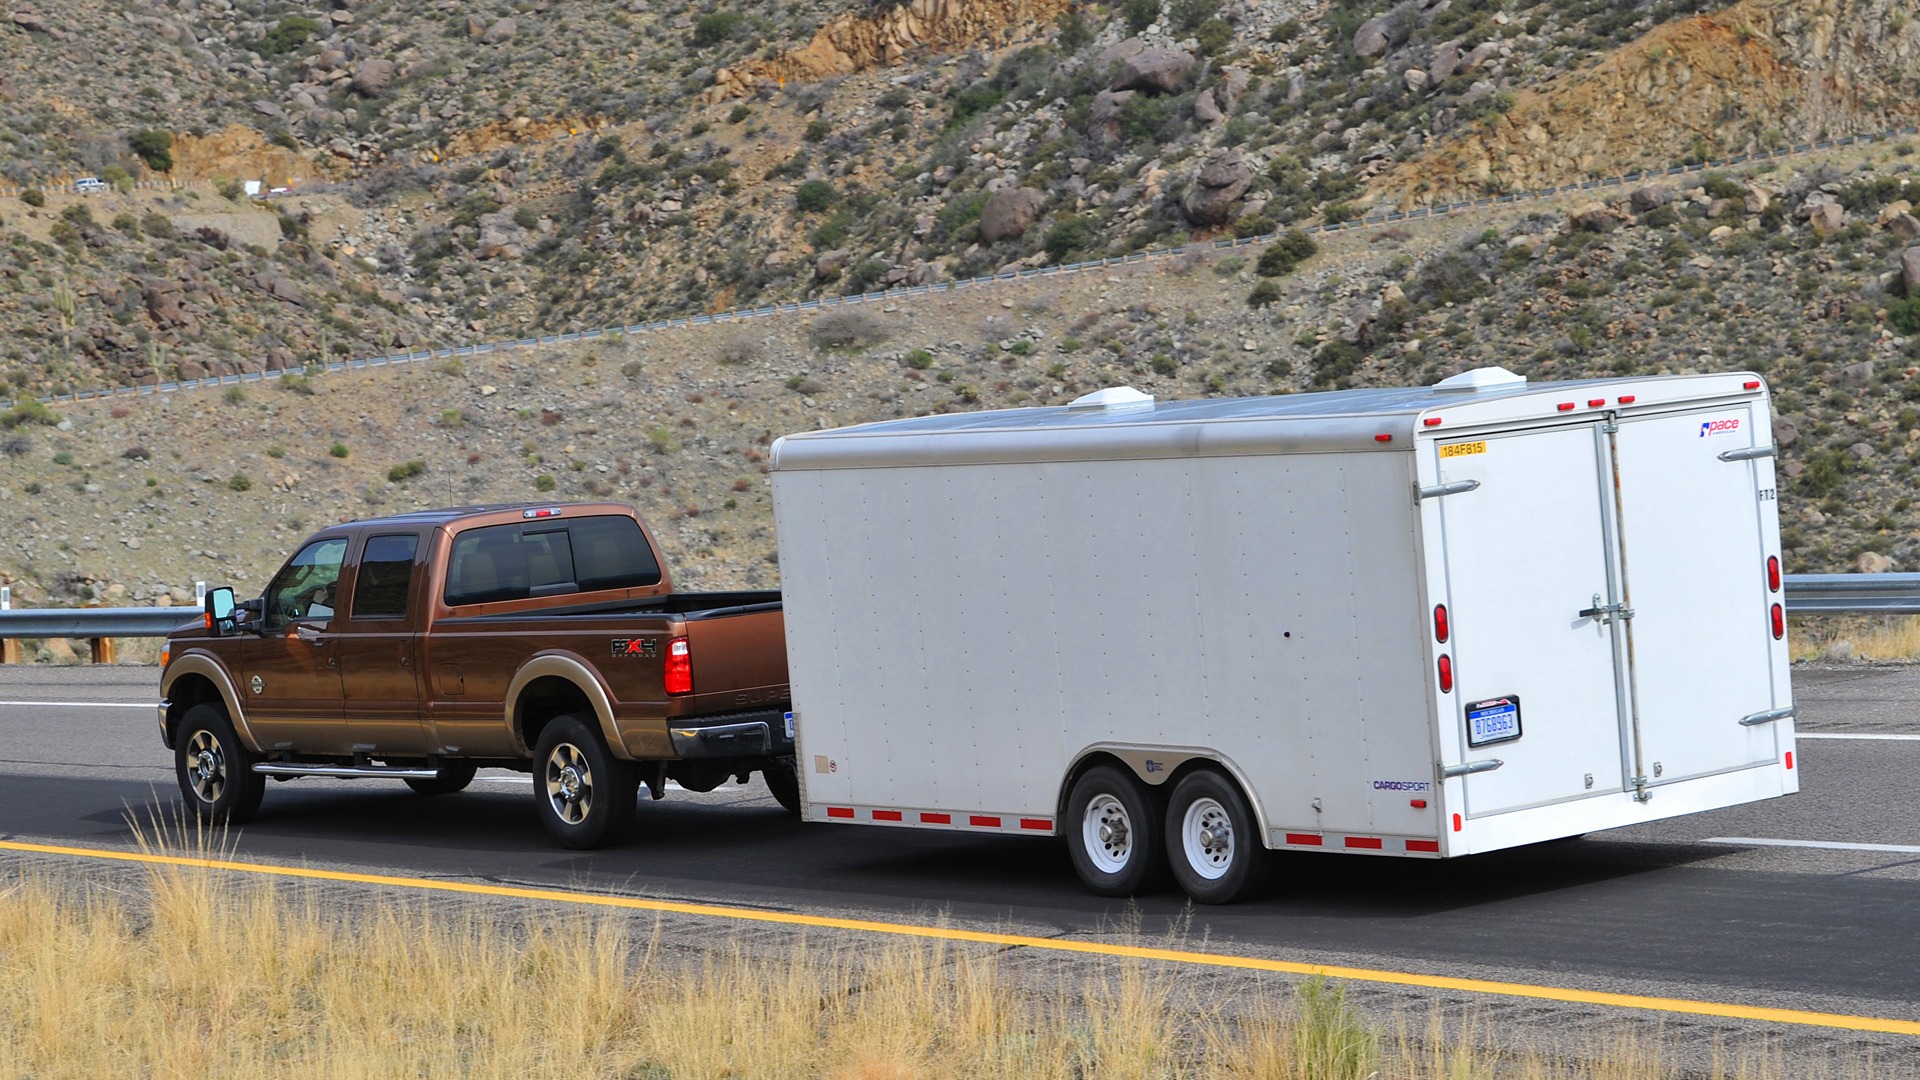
<point>1213,839</point>
<point>1110,830</point>
<point>784,783</point>
<point>214,768</point>
<point>448,779</point>
<point>586,795</point>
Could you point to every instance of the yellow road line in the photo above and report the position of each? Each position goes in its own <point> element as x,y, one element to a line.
<point>1687,1006</point>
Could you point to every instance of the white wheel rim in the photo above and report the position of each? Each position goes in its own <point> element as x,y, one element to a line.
<point>569,784</point>
<point>1206,836</point>
<point>1106,831</point>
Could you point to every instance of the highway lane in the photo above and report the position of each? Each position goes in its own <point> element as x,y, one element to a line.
<point>1685,908</point>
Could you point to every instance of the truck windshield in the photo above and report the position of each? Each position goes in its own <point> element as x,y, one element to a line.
<point>547,558</point>
<point>303,590</point>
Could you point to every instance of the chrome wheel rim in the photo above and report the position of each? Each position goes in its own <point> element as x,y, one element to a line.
<point>1206,835</point>
<point>206,767</point>
<point>569,784</point>
<point>1106,831</point>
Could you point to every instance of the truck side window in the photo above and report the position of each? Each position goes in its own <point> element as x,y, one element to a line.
<point>303,590</point>
<point>385,580</point>
<point>486,565</point>
<point>611,553</point>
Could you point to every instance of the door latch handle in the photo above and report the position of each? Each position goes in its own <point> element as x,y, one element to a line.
<point>1606,613</point>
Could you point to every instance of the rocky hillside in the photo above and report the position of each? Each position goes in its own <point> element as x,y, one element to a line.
<point>470,171</point>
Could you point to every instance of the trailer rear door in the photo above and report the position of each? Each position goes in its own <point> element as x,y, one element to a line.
<point>1694,546</point>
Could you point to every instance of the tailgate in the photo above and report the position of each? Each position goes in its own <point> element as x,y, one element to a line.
<point>739,661</point>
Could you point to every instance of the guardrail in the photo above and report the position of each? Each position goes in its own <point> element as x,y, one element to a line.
<point>1807,594</point>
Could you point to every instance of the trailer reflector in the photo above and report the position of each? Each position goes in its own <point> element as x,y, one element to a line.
<point>1383,437</point>
<point>1304,839</point>
<point>1432,846</point>
<point>1417,804</point>
<point>927,818</point>
<point>1431,421</point>
<point>1440,623</point>
<point>886,815</point>
<point>1036,824</point>
<point>1456,823</point>
<point>1565,406</point>
<point>1370,843</point>
<point>1751,384</point>
<point>1789,761</point>
<point>982,821</point>
<point>1779,623</point>
<point>840,811</point>
<point>1594,403</point>
<point>1625,399</point>
<point>1446,670</point>
<point>1773,573</point>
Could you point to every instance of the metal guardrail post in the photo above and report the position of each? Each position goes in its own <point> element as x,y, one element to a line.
<point>9,648</point>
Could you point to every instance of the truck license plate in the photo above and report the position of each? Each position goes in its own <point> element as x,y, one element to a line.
<point>1496,720</point>
<point>789,725</point>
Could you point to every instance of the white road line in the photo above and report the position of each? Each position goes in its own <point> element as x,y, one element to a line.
<point>1824,845</point>
<point>1845,735</point>
<point>148,705</point>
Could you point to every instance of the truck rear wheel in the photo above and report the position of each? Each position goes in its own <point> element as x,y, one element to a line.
<point>585,794</point>
<point>448,779</point>
<point>1213,840</point>
<point>1112,834</point>
<point>214,769</point>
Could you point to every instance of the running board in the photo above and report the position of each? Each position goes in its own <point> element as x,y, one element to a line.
<point>392,772</point>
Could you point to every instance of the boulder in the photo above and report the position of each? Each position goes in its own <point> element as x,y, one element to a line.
<point>1872,562</point>
<point>1828,217</point>
<point>500,32</point>
<point>1446,61</point>
<point>1417,81</point>
<point>1008,214</point>
<point>1370,40</point>
<point>1910,270</point>
<point>1103,119</point>
<point>500,237</point>
<point>1785,432</point>
<point>830,263</point>
<point>1651,197</point>
<point>372,78</point>
<point>279,288</point>
<point>1233,83</point>
<point>1893,210</point>
<point>1209,199</point>
<point>476,27</point>
<point>164,303</point>
<point>1204,108</point>
<point>1904,226</point>
<point>27,20</point>
<point>1156,71</point>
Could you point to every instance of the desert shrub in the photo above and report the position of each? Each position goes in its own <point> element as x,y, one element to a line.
<point>240,482</point>
<point>814,195</point>
<point>1265,292</point>
<point>287,35</point>
<point>712,30</point>
<point>34,197</point>
<point>1070,235</point>
<point>1904,315</point>
<point>846,330</point>
<point>406,470</point>
<point>1284,255</point>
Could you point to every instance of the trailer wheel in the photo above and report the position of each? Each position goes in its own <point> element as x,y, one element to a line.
<point>784,784</point>
<point>585,794</point>
<point>1110,832</point>
<point>447,780</point>
<point>214,769</point>
<point>1213,839</point>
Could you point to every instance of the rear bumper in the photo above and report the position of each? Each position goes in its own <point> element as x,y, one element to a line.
<point>757,734</point>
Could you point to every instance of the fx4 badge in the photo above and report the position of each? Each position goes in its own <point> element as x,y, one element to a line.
<point>637,647</point>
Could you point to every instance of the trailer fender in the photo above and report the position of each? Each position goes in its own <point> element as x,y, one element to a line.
<point>205,665</point>
<point>1156,766</point>
<point>568,668</point>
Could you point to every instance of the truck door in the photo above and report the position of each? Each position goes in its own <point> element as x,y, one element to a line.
<point>1527,552</point>
<point>378,646</point>
<point>1694,544</point>
<point>291,686</point>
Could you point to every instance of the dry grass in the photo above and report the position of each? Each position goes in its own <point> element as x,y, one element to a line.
<point>205,973</point>
<point>1863,637</point>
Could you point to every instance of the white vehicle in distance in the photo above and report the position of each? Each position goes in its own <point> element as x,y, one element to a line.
<point>89,185</point>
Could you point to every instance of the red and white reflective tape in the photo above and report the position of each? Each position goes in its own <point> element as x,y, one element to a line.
<point>1386,845</point>
<point>944,819</point>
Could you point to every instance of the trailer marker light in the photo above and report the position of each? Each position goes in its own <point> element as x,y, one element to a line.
<point>1446,670</point>
<point>1594,403</point>
<point>1779,623</point>
<point>981,821</point>
<point>1304,839</point>
<point>1424,845</point>
<point>1440,623</point>
<point>1789,761</point>
<point>1752,384</point>
<point>1565,406</point>
<point>1431,421</point>
<point>1383,438</point>
<point>1418,804</point>
<point>677,676</point>
<point>1626,399</point>
<point>1456,823</point>
<point>1371,843</point>
<point>1038,824</point>
<point>1773,573</point>
<point>886,815</point>
<point>840,811</point>
<point>935,819</point>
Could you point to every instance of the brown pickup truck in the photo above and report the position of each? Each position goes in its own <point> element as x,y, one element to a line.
<point>424,646</point>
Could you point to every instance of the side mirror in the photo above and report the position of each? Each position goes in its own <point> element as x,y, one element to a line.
<point>220,617</point>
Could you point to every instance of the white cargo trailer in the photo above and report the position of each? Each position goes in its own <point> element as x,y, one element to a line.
<point>1420,622</point>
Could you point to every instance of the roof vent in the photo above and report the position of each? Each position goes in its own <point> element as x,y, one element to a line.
<point>1113,397</point>
<point>1479,379</point>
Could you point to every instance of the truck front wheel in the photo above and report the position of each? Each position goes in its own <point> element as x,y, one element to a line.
<point>1112,833</point>
<point>586,795</point>
<point>1213,839</point>
<point>215,771</point>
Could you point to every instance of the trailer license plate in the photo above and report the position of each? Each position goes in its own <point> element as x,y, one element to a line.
<point>1496,720</point>
<point>789,725</point>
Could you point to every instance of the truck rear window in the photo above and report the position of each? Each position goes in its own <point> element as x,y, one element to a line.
<point>547,558</point>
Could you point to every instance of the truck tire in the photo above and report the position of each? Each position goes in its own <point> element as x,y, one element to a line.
<point>215,770</point>
<point>1213,840</point>
<point>452,777</point>
<point>784,784</point>
<point>585,794</point>
<point>1112,834</point>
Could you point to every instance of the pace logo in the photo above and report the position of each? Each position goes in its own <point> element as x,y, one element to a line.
<point>634,647</point>
<point>1718,427</point>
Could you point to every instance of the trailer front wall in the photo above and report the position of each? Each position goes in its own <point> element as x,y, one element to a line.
<point>959,634</point>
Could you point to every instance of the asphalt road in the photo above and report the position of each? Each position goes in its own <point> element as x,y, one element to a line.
<point>1810,902</point>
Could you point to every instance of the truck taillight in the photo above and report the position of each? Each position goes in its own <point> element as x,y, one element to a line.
<point>1446,674</point>
<point>1440,623</point>
<point>1779,622</point>
<point>679,671</point>
<point>1773,573</point>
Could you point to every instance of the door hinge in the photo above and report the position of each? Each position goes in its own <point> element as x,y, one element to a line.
<point>1606,613</point>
